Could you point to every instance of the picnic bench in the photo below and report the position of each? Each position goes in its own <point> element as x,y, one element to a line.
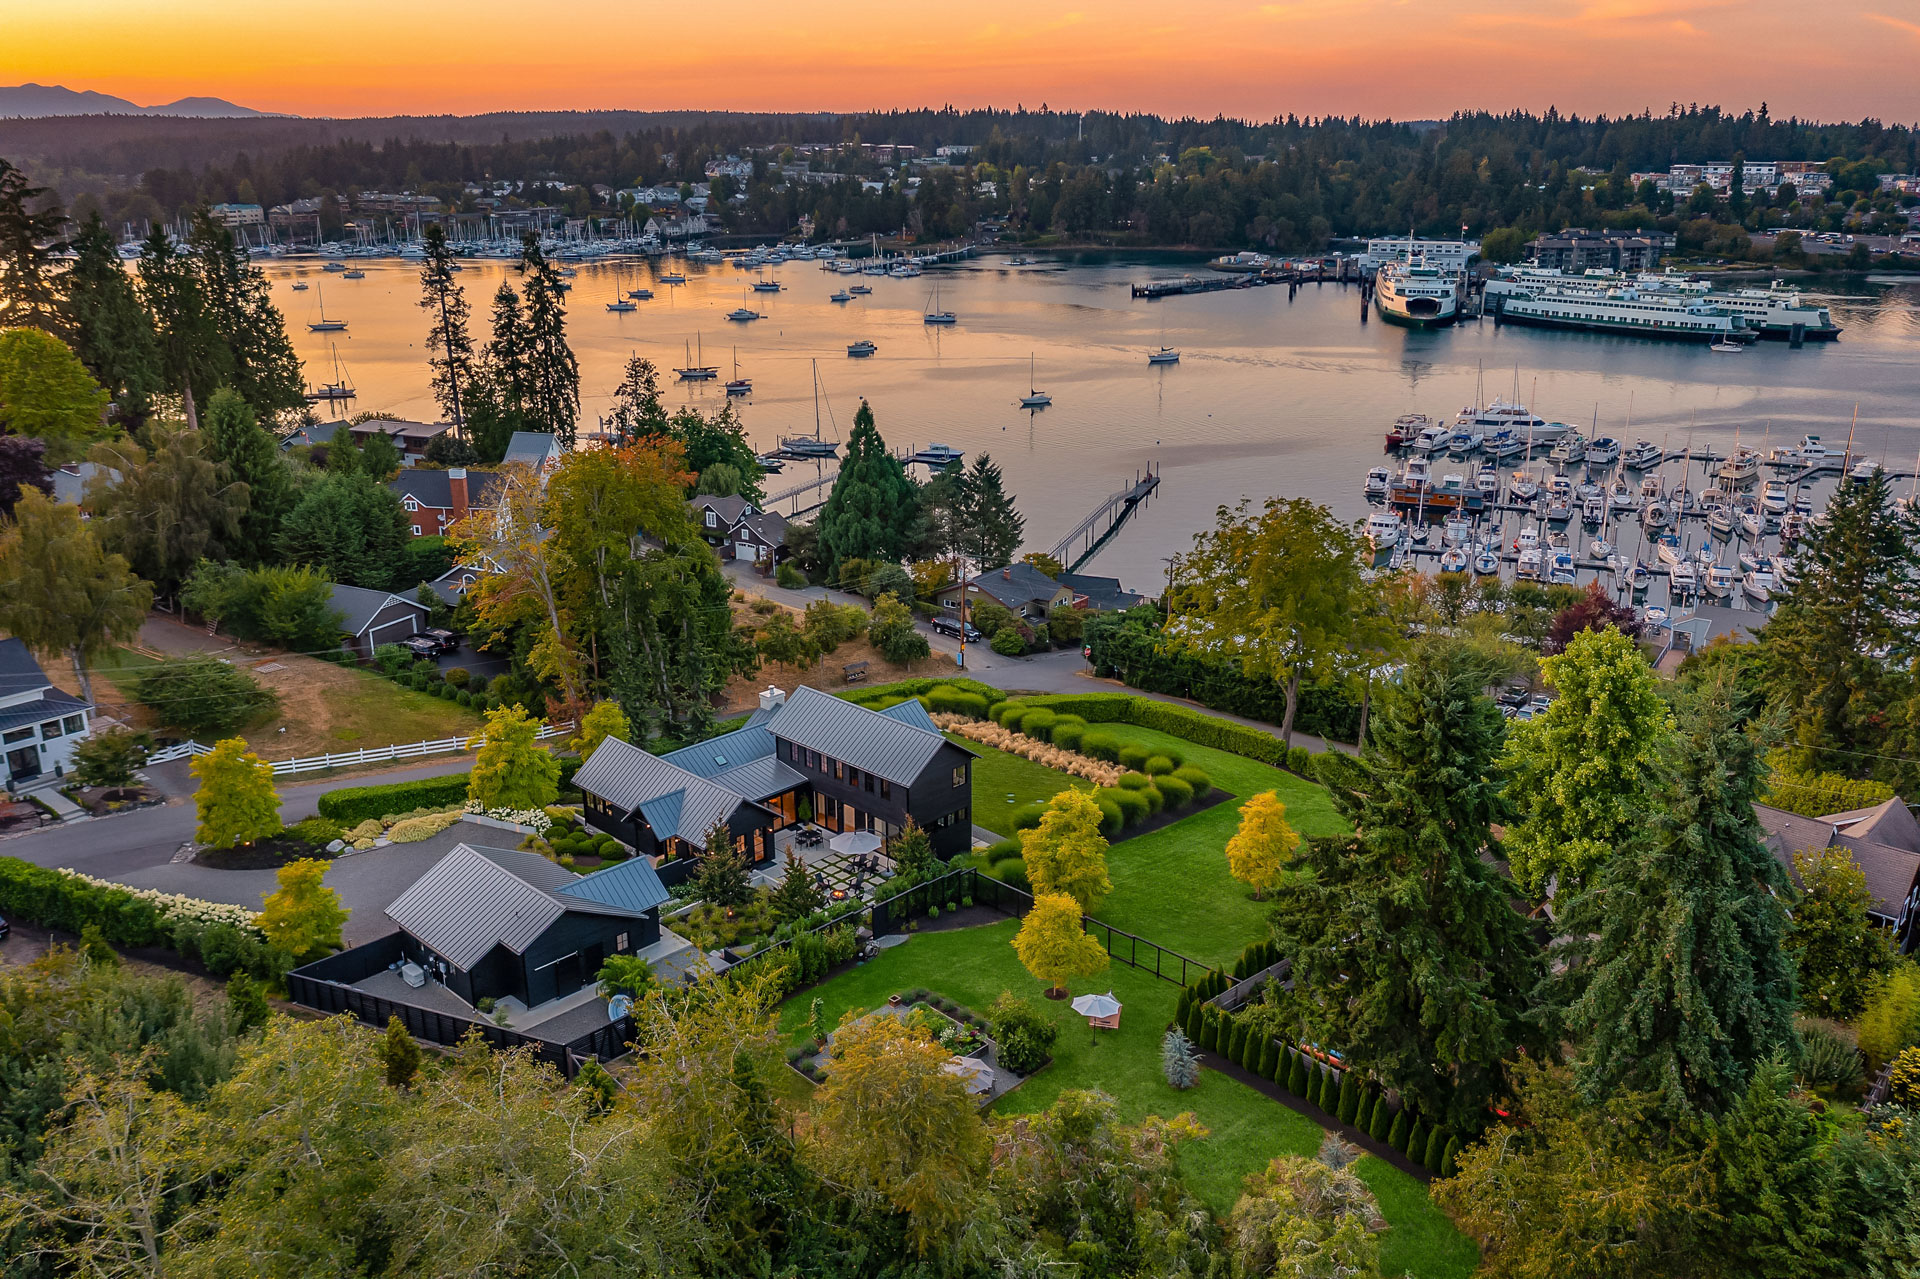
<point>855,671</point>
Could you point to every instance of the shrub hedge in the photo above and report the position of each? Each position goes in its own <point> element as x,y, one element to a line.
<point>1101,746</point>
<point>1195,778</point>
<point>352,805</point>
<point>1068,734</point>
<point>1133,781</point>
<point>1038,723</point>
<point>1132,804</point>
<point>1027,816</point>
<point>1178,794</point>
<point>1157,766</point>
<point>1135,757</point>
<point>1112,820</point>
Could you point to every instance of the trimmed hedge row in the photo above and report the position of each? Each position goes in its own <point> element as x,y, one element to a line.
<point>352,805</point>
<point>1178,721</point>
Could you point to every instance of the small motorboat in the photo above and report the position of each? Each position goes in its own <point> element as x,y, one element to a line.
<point>1593,512</point>
<point>1682,579</point>
<point>1620,496</point>
<point>1560,568</point>
<point>1655,615</point>
<point>840,295</point>
<point>1527,567</point>
<point>859,290</point>
<point>1757,586</point>
<point>1669,551</point>
<point>861,349</point>
<point>1383,529</point>
<point>1379,481</point>
<point>1642,576</point>
<point>1719,583</point>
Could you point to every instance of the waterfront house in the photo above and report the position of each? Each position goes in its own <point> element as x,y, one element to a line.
<point>537,449</point>
<point>39,724</point>
<point>843,766</point>
<point>1029,593</point>
<point>739,530</point>
<point>1885,842</point>
<point>436,500</point>
<point>369,619</point>
<point>411,438</point>
<point>497,923</point>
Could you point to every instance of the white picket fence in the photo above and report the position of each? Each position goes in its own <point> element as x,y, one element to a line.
<point>347,759</point>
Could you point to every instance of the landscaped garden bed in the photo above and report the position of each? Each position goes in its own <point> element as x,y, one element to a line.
<point>103,801</point>
<point>955,1027</point>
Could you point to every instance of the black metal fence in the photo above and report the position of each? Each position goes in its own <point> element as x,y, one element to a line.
<point>326,986</point>
<point>1147,956</point>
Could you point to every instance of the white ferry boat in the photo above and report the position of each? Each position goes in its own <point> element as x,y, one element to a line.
<point>1416,294</point>
<point>1777,310</point>
<point>1634,311</point>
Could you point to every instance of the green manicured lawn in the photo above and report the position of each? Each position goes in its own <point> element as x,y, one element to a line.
<point>1245,1129</point>
<point>996,775</point>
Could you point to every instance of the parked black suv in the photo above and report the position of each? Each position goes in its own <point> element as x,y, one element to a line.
<point>955,627</point>
<point>421,646</point>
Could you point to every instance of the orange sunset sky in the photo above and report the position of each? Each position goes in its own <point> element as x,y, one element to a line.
<point>1830,59</point>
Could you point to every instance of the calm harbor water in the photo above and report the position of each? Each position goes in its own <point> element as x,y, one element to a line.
<point>1272,397</point>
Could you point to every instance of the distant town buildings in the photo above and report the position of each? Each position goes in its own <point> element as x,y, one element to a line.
<point>1756,175</point>
<point>233,215</point>
<point>1578,249</point>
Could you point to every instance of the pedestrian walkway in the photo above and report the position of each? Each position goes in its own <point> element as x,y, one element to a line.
<point>64,809</point>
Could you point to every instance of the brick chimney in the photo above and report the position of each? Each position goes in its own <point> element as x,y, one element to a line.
<point>1006,574</point>
<point>457,490</point>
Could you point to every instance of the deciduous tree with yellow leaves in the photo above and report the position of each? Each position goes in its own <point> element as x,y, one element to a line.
<point>1263,843</point>
<point>1054,947</point>
<point>236,801</point>
<point>1067,853</point>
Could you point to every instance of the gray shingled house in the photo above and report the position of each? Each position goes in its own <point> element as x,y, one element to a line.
<point>369,619</point>
<point>850,768</point>
<point>496,922</point>
<point>1884,841</point>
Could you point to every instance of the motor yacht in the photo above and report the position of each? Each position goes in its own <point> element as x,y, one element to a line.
<point>1757,586</point>
<point>1719,583</point>
<point>1643,455</point>
<point>1741,466</point>
<point>1572,449</point>
<point>1431,439</point>
<point>1379,480</point>
<point>1603,451</point>
<point>1681,578</point>
<point>1406,427</point>
<point>1773,496</point>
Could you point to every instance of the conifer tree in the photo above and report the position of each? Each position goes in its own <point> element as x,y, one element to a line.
<point>992,527</point>
<point>497,402</point>
<point>1177,1061</point>
<point>871,512</point>
<point>1297,1075</point>
<point>1269,1057</point>
<point>247,455</point>
<point>193,358</point>
<point>1406,948</point>
<point>797,896</point>
<point>257,358</point>
<point>1436,1144</point>
<point>553,375</point>
<point>1677,980</point>
<point>112,331</point>
<point>399,1055</point>
<point>1382,1126</point>
<point>1849,619</point>
<point>449,344</point>
<point>30,228</point>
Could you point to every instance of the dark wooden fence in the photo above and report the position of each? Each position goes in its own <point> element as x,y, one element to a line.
<point>326,986</point>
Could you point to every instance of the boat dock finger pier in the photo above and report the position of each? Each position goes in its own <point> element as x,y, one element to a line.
<point>1097,529</point>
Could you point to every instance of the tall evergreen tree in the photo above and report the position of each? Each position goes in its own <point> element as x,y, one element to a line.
<point>637,411</point>
<point>498,399</point>
<point>350,528</point>
<point>1407,952</point>
<point>112,331</point>
<point>258,360</point>
<point>1845,624</point>
<point>449,345</point>
<point>553,376</point>
<point>1677,981</point>
<point>992,525</point>
<point>192,356</point>
<point>870,513</point>
<point>30,228</point>
<point>246,454</point>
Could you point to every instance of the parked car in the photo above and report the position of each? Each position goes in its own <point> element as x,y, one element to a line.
<point>1515,695</point>
<point>5,928</point>
<point>1540,703</point>
<point>440,641</point>
<point>957,629</point>
<point>421,646</point>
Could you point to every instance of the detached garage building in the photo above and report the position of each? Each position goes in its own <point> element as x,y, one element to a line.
<point>497,923</point>
<point>369,619</point>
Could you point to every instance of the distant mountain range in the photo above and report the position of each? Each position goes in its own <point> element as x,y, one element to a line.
<point>34,101</point>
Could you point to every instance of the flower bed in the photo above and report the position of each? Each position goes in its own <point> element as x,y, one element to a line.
<point>175,908</point>
<point>958,1029</point>
<point>1072,763</point>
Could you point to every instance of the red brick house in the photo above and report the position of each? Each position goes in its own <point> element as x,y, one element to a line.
<point>437,500</point>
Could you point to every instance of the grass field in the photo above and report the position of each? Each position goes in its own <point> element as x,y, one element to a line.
<point>997,774</point>
<point>1245,1129</point>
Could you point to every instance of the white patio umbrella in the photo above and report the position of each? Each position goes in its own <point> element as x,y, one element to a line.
<point>855,842</point>
<point>977,1074</point>
<point>1097,1005</point>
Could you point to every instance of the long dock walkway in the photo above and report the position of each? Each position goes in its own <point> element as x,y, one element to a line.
<point>1098,528</point>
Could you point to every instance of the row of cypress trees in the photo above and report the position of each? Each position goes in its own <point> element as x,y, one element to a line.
<point>1341,1095</point>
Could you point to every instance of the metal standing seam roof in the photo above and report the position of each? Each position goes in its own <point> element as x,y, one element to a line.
<point>359,606</point>
<point>868,740</point>
<point>19,672</point>
<point>717,755</point>
<point>674,800</point>
<point>760,779</point>
<point>474,899</point>
<point>52,704</point>
<point>631,885</point>
<point>911,712</point>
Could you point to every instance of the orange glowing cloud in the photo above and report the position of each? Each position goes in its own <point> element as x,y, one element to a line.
<point>1379,58</point>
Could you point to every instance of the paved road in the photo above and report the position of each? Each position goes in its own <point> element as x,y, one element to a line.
<point>1064,671</point>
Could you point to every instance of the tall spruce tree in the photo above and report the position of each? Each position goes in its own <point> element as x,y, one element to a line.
<point>1677,981</point>
<point>192,355</point>
<point>552,401</point>
<point>247,455</point>
<point>30,228</point>
<point>992,525</point>
<point>258,359</point>
<point>870,514</point>
<point>449,345</point>
<point>1845,625</point>
<point>1407,951</point>
<point>112,331</point>
<point>636,411</point>
<point>497,400</point>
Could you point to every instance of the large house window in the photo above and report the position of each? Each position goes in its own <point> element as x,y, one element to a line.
<point>886,789</point>
<point>713,521</point>
<point>18,735</point>
<point>960,775</point>
<point>50,729</point>
<point>868,779</point>
<point>75,723</point>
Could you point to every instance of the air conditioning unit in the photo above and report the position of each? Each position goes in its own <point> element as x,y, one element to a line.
<point>413,974</point>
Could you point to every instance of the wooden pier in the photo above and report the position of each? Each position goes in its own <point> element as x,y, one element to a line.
<point>1098,528</point>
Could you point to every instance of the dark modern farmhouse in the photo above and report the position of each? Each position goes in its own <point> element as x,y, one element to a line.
<point>499,923</point>
<point>809,757</point>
